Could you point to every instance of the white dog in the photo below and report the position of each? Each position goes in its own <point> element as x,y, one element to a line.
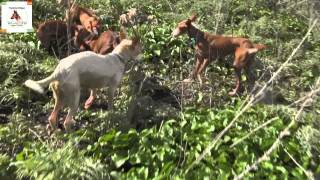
<point>86,70</point>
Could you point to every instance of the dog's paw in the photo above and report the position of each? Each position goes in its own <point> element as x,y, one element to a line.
<point>189,80</point>
<point>233,93</point>
<point>87,105</point>
<point>51,131</point>
<point>69,124</point>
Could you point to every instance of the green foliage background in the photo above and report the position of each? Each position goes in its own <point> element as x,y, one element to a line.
<point>106,147</point>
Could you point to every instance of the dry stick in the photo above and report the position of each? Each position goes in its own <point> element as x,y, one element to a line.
<point>219,19</point>
<point>250,103</point>
<point>69,25</point>
<point>306,96</point>
<point>38,136</point>
<point>256,129</point>
<point>282,134</point>
<point>308,174</point>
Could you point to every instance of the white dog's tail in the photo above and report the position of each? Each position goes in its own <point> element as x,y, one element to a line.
<point>39,86</point>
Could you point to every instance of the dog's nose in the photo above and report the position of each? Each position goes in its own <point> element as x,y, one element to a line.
<point>95,31</point>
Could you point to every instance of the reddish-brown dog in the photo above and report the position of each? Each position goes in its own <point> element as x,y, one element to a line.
<point>53,36</point>
<point>102,44</point>
<point>211,47</point>
<point>86,18</point>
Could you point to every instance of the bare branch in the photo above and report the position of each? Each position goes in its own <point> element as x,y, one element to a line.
<point>308,174</point>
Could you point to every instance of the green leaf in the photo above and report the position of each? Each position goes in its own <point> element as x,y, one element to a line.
<point>157,52</point>
<point>267,165</point>
<point>282,169</point>
<point>107,137</point>
<point>119,160</point>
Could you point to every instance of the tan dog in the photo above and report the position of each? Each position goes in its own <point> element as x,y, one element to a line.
<point>86,70</point>
<point>211,47</point>
<point>103,44</point>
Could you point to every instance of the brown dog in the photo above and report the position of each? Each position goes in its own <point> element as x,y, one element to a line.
<point>211,47</point>
<point>103,44</point>
<point>84,17</point>
<point>53,36</point>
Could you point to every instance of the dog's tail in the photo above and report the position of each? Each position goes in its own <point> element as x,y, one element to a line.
<point>260,46</point>
<point>39,86</point>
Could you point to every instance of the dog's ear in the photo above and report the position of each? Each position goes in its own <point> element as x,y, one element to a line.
<point>193,17</point>
<point>122,34</point>
<point>252,50</point>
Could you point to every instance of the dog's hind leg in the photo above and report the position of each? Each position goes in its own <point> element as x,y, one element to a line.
<point>238,82</point>
<point>73,104</point>
<point>57,105</point>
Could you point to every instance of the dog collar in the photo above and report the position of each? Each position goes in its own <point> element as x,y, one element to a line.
<point>120,58</point>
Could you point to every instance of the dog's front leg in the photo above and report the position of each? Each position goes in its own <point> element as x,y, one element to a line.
<point>238,82</point>
<point>251,77</point>
<point>91,98</point>
<point>111,92</point>
<point>202,67</point>
<point>112,89</point>
<point>194,72</point>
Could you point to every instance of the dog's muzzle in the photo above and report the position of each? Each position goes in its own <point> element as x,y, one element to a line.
<point>175,33</point>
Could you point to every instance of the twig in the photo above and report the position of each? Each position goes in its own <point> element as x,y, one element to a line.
<point>38,136</point>
<point>308,95</point>
<point>218,19</point>
<point>253,131</point>
<point>308,174</point>
<point>251,101</point>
